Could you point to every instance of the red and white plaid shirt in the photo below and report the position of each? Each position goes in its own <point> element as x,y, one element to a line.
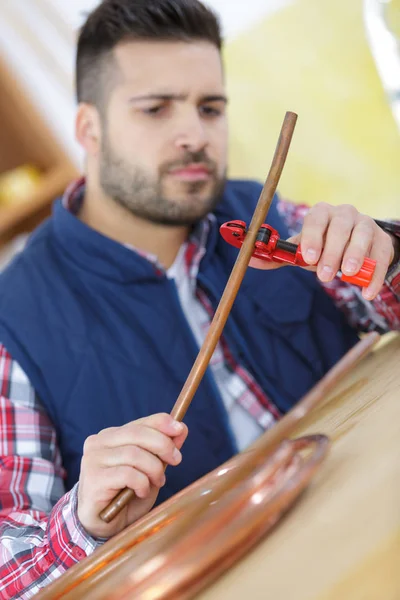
<point>40,534</point>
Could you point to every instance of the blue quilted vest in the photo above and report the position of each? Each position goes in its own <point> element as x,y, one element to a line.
<point>103,339</point>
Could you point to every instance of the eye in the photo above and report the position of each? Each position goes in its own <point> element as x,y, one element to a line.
<point>210,111</point>
<point>154,110</point>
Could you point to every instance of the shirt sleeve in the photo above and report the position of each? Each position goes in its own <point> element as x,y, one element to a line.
<point>40,534</point>
<point>383,313</point>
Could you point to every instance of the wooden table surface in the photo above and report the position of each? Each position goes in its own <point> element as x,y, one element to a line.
<point>341,541</point>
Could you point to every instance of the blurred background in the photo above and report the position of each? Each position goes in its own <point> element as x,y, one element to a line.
<point>334,62</point>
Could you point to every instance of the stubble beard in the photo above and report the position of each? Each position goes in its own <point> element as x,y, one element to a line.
<point>145,197</point>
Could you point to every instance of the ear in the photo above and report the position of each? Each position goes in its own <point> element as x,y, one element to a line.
<point>88,128</point>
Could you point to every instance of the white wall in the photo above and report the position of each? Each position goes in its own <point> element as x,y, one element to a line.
<point>37,38</point>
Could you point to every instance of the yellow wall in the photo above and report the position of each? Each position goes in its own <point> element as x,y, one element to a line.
<point>313,58</point>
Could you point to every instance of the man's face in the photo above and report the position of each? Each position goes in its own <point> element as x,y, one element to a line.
<point>164,131</point>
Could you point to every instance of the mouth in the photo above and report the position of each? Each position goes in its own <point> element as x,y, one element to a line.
<point>193,172</point>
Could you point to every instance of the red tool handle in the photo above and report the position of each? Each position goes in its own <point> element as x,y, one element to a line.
<point>364,276</point>
<point>270,247</point>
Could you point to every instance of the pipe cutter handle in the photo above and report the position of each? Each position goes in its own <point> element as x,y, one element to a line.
<point>271,248</point>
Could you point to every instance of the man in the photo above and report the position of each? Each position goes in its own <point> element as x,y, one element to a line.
<point>103,313</point>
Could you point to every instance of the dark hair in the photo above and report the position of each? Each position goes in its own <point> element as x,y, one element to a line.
<point>115,21</point>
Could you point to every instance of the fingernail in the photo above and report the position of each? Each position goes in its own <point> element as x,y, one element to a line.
<point>351,265</point>
<point>163,481</point>
<point>368,293</point>
<point>177,426</point>
<point>326,273</point>
<point>311,255</point>
<point>177,456</point>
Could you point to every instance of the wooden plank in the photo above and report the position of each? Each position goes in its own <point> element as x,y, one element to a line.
<point>342,539</point>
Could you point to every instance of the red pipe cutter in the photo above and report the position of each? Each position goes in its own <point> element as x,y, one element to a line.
<point>270,247</point>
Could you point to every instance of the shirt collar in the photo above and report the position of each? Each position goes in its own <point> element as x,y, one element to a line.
<point>195,247</point>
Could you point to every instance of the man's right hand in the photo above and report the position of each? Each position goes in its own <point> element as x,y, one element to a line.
<point>131,456</point>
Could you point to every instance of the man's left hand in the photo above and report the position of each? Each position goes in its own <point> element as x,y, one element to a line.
<point>337,238</point>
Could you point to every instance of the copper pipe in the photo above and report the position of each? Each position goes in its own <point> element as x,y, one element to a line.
<point>200,546</point>
<point>228,297</point>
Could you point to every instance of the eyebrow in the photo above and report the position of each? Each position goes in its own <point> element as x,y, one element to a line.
<point>181,97</point>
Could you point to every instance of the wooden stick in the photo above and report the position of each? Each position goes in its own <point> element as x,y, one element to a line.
<point>228,297</point>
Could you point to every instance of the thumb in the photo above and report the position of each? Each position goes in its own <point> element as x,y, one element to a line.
<point>295,239</point>
<point>266,265</point>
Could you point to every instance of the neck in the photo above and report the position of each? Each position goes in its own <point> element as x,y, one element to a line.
<point>114,221</point>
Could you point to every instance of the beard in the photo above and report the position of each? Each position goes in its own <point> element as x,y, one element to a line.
<point>146,197</point>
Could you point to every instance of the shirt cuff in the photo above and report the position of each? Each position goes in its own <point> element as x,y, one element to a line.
<point>392,279</point>
<point>69,542</point>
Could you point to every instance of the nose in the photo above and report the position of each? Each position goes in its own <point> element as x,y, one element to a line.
<point>192,135</point>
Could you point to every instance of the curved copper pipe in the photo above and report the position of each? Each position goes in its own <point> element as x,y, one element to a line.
<point>195,549</point>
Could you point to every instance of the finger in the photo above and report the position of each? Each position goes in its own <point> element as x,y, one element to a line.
<point>295,239</point>
<point>152,440</point>
<point>118,478</point>
<point>313,233</point>
<point>135,457</point>
<point>162,422</point>
<point>337,237</point>
<point>180,439</point>
<point>359,246</point>
<point>381,251</point>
